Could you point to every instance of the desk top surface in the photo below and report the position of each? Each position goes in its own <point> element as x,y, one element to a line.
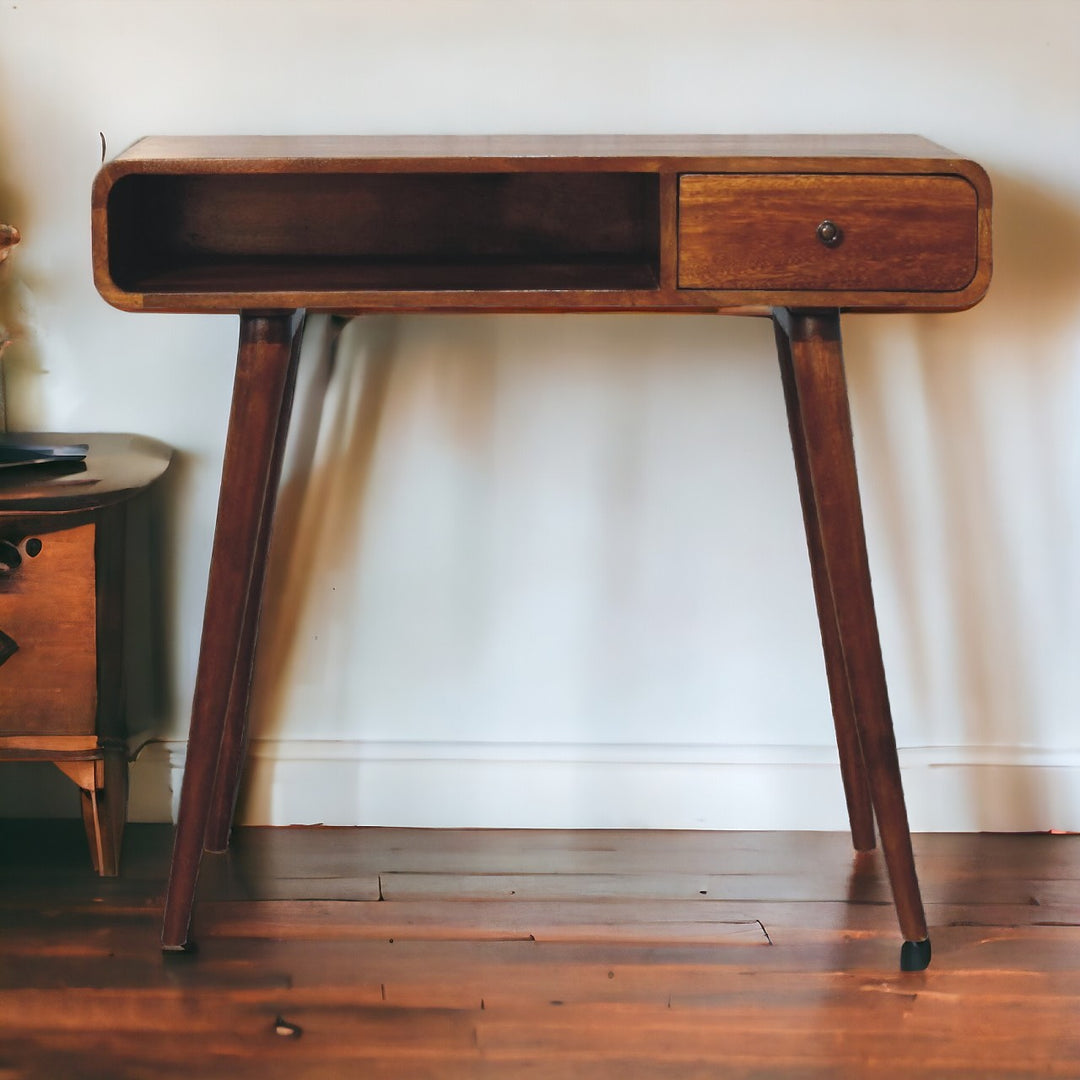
<point>257,152</point>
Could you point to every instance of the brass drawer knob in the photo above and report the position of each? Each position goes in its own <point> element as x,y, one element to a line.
<point>829,233</point>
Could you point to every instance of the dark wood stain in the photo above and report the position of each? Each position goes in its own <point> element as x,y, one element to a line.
<point>555,223</point>
<point>640,977</point>
<point>62,695</point>
<point>797,228</point>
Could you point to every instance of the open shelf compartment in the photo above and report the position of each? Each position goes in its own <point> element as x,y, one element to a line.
<point>353,232</point>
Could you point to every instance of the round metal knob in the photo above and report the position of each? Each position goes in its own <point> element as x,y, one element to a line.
<point>829,233</point>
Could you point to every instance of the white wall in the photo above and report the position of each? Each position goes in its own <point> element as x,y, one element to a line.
<point>562,578</point>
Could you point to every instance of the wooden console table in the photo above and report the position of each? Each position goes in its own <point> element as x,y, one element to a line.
<point>797,229</point>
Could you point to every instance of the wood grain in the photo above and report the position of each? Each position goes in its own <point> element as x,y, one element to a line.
<point>269,227</point>
<point>852,766</point>
<point>233,751</point>
<point>532,224</point>
<point>898,233</point>
<point>265,374</point>
<point>62,692</point>
<point>580,986</point>
<point>48,606</point>
<point>279,153</point>
<point>818,393</point>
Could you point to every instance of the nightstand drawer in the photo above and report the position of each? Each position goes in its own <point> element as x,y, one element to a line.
<point>48,615</point>
<point>845,232</point>
<point>64,577</point>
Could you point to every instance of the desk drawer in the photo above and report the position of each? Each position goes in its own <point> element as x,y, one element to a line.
<point>895,233</point>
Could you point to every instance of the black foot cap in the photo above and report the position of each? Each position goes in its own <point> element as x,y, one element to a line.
<point>189,948</point>
<point>915,955</point>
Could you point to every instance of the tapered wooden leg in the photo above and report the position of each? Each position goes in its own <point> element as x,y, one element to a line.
<point>230,765</point>
<point>263,374</point>
<point>103,788</point>
<point>104,811</point>
<point>852,768</point>
<point>817,370</point>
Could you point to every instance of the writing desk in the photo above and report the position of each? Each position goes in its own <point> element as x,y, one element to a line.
<point>795,228</point>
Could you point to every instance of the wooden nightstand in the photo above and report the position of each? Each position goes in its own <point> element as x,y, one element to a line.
<point>63,570</point>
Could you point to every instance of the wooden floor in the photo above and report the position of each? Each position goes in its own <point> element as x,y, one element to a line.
<point>448,954</point>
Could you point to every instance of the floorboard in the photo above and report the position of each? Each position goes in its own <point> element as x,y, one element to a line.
<point>480,954</point>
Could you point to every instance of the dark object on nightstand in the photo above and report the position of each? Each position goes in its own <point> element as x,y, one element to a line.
<point>63,571</point>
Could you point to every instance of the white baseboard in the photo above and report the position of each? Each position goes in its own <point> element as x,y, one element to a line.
<point>557,785</point>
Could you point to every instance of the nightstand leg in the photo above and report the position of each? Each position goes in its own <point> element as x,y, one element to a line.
<point>104,811</point>
<point>230,765</point>
<point>820,399</point>
<point>852,767</point>
<point>103,787</point>
<point>263,374</point>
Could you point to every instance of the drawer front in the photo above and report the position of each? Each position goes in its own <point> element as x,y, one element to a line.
<point>765,232</point>
<point>48,657</point>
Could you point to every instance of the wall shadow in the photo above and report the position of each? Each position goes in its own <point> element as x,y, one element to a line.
<point>350,371</point>
<point>289,576</point>
<point>985,413</point>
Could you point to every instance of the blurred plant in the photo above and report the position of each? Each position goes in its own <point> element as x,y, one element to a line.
<point>9,237</point>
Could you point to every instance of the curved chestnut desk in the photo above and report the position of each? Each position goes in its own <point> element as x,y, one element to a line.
<point>793,228</point>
